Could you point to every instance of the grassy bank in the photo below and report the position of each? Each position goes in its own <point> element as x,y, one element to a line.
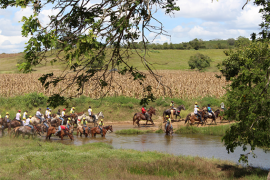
<point>118,108</point>
<point>209,130</point>
<point>132,131</point>
<point>33,159</point>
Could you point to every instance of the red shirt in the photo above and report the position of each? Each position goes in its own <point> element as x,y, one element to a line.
<point>143,110</point>
<point>63,127</point>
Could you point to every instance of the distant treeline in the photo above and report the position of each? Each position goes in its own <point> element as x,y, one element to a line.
<point>198,44</point>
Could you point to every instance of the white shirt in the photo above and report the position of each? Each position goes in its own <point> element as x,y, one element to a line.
<point>18,116</point>
<point>63,113</point>
<point>46,113</point>
<point>222,105</point>
<point>196,110</point>
<point>38,113</point>
<point>90,111</point>
<point>24,114</point>
<point>49,114</point>
<point>27,121</point>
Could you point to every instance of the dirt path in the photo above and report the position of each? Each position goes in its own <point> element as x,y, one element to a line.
<point>159,123</point>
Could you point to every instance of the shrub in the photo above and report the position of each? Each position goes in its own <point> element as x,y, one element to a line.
<point>199,61</point>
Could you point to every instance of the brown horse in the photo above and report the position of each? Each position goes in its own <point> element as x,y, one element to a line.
<point>86,131</point>
<point>13,124</point>
<point>192,117</point>
<point>96,130</point>
<point>3,125</point>
<point>139,116</point>
<point>168,130</point>
<point>26,130</point>
<point>61,134</point>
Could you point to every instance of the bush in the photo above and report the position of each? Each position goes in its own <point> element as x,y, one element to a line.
<point>199,61</point>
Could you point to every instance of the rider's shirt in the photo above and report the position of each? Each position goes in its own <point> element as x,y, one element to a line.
<point>49,114</point>
<point>27,122</point>
<point>7,116</point>
<point>172,105</point>
<point>209,109</point>
<point>222,105</point>
<point>169,120</point>
<point>72,111</point>
<point>24,114</point>
<point>38,113</point>
<point>63,113</point>
<point>84,122</point>
<point>196,110</point>
<point>143,110</point>
<point>18,116</point>
<point>101,123</point>
<point>90,111</point>
<point>46,113</point>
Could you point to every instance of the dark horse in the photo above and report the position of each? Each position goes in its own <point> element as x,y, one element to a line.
<point>3,125</point>
<point>96,130</point>
<point>139,116</point>
<point>175,112</point>
<point>216,113</point>
<point>61,134</point>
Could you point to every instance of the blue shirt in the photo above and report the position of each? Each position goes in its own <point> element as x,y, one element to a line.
<point>209,109</point>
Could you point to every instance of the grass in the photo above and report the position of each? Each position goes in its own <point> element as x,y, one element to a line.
<point>117,108</point>
<point>33,159</point>
<point>132,131</point>
<point>209,130</point>
<point>164,59</point>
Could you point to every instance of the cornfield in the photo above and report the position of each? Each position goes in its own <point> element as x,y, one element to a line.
<point>183,84</point>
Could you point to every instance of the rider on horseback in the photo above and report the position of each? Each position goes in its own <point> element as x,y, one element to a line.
<point>169,123</point>
<point>18,117</point>
<point>145,113</point>
<point>72,110</point>
<point>100,125</point>
<point>7,117</point>
<point>197,113</point>
<point>210,111</point>
<point>68,123</point>
<point>47,112</point>
<point>49,115</point>
<point>84,124</point>
<point>27,123</point>
<point>90,114</point>
<point>38,115</point>
<point>25,114</point>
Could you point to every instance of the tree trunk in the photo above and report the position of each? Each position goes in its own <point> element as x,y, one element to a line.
<point>268,177</point>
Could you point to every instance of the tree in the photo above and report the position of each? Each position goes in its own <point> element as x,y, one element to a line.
<point>231,41</point>
<point>199,61</point>
<point>242,41</point>
<point>83,31</point>
<point>197,43</point>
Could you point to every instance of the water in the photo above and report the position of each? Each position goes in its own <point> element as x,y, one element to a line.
<point>191,144</point>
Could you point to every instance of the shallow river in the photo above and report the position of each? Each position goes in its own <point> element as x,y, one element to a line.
<point>191,144</point>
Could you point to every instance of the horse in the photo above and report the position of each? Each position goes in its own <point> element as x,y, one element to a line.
<point>86,131</point>
<point>96,130</point>
<point>175,112</point>
<point>93,119</point>
<point>26,130</point>
<point>55,122</point>
<point>61,134</point>
<point>192,117</point>
<point>3,125</point>
<point>168,130</point>
<point>216,113</point>
<point>139,116</point>
<point>35,120</point>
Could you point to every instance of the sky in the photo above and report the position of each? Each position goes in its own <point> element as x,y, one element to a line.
<point>202,19</point>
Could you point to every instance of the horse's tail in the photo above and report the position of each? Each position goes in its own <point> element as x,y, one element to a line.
<point>134,118</point>
<point>187,118</point>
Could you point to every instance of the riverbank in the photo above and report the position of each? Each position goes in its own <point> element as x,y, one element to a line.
<point>32,159</point>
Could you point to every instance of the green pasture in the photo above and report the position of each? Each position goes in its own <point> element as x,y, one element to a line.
<point>38,159</point>
<point>159,59</point>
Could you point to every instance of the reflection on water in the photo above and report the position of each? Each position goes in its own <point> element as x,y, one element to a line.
<point>191,144</point>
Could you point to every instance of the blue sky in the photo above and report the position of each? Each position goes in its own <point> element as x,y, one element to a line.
<point>201,19</point>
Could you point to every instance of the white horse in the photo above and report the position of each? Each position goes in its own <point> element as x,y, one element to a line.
<point>35,120</point>
<point>90,120</point>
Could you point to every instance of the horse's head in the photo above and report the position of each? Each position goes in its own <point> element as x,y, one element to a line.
<point>152,111</point>
<point>100,114</point>
<point>110,128</point>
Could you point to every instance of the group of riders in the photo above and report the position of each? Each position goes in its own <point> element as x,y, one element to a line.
<point>26,120</point>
